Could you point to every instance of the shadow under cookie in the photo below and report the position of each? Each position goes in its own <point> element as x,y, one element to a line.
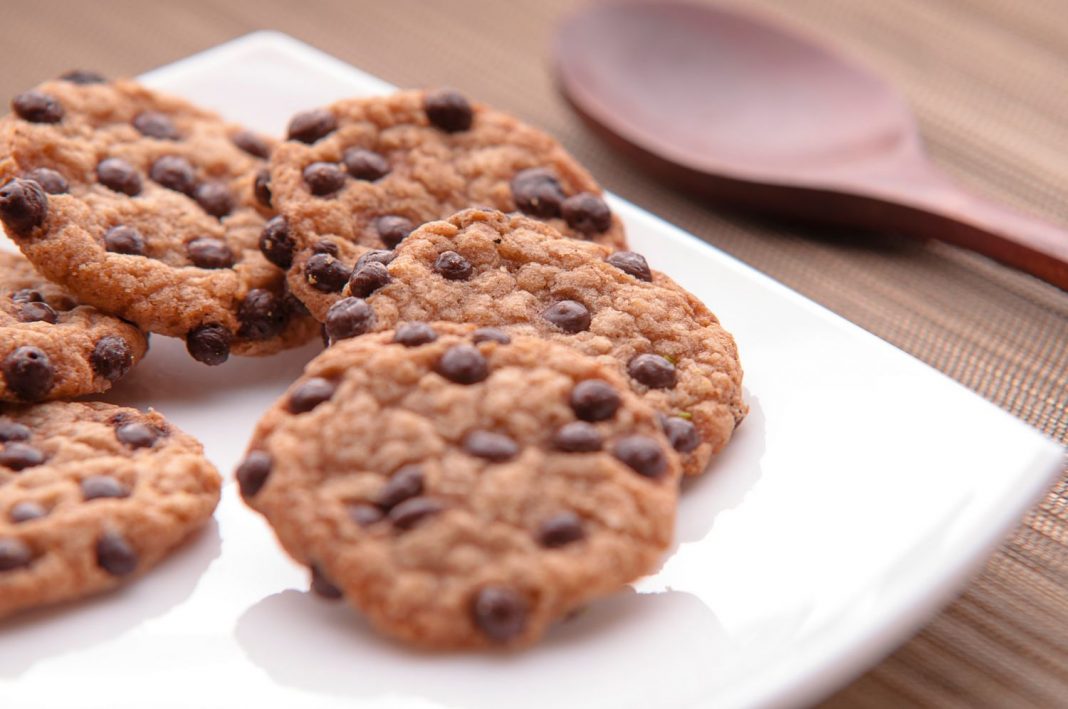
<point>70,628</point>
<point>321,647</point>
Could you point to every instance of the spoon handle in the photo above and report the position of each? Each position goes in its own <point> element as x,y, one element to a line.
<point>927,204</point>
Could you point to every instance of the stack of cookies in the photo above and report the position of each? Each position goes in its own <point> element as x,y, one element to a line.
<point>508,398</point>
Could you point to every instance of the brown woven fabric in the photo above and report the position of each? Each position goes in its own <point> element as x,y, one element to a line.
<point>987,80</point>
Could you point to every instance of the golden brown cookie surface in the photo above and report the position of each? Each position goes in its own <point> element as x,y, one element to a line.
<point>362,173</point>
<point>90,495</point>
<point>144,205</point>
<point>460,487</point>
<point>50,346</point>
<point>516,273</point>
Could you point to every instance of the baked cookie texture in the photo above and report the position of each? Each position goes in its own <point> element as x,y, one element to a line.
<point>497,270</point>
<point>92,495</point>
<point>51,347</point>
<point>144,205</point>
<point>461,487</point>
<point>360,174</point>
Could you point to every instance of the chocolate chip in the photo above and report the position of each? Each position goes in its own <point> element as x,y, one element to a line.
<point>368,278</point>
<point>251,143</point>
<point>118,175</point>
<point>97,487</point>
<point>490,334</point>
<point>253,472</point>
<point>138,435</point>
<point>537,192</point>
<point>276,243</point>
<point>28,373</point>
<point>37,107</point>
<point>365,164</point>
<point>414,334</point>
<point>111,357</point>
<point>62,303</point>
<point>322,586</point>
<point>349,317</point>
<point>365,515</point>
<point>595,400</point>
<point>392,229</point>
<point>642,454</point>
<point>325,246</point>
<point>568,315</point>
<point>175,173</point>
<point>31,311</point>
<point>499,612</point>
<point>83,77</point>
<point>653,371</point>
<point>26,512</point>
<point>50,181</point>
<point>18,456</point>
<point>124,239</point>
<point>36,312</point>
<point>448,110</point>
<point>632,263</point>
<point>261,187</point>
<point>578,437</point>
<point>311,126</point>
<point>153,124</point>
<point>27,295</point>
<point>310,393</point>
<point>586,213</point>
<point>115,555</point>
<point>293,305</point>
<point>23,206</point>
<point>262,315</point>
<point>14,554</point>
<point>463,364</point>
<point>323,178</point>
<point>453,266</point>
<point>325,273</point>
<point>209,344</point>
<point>682,434</point>
<point>405,483</point>
<point>561,529</point>
<point>495,447</point>
<point>214,198</point>
<point>381,256</point>
<point>208,252</point>
<point>12,431</point>
<point>413,512</point>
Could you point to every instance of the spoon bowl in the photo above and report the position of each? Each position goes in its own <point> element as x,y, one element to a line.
<point>754,116</point>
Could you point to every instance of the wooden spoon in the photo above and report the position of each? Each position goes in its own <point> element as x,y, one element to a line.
<point>751,115</point>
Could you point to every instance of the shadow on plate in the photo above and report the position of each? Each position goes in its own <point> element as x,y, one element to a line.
<point>608,655</point>
<point>169,374</point>
<point>69,627</point>
<point>729,478</point>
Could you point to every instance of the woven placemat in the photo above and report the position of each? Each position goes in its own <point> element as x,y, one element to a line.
<point>986,78</point>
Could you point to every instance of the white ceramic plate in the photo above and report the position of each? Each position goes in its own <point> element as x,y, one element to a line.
<point>861,492</point>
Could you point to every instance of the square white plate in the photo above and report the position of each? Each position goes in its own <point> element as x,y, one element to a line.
<point>861,492</point>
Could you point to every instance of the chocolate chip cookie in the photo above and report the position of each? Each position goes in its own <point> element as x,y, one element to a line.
<point>145,206</point>
<point>463,487</point>
<point>362,173</point>
<point>51,347</point>
<point>92,495</point>
<point>519,274</point>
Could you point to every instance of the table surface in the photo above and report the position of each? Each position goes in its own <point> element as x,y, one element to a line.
<point>986,79</point>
